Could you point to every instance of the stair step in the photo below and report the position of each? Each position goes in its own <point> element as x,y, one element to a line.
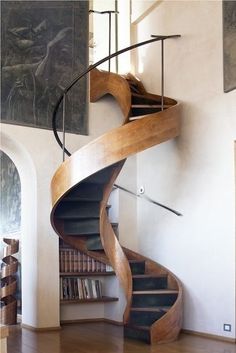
<point>94,243</point>
<point>149,282</point>
<point>153,308</point>
<point>81,227</point>
<point>154,298</point>
<point>85,192</point>
<point>155,291</point>
<point>137,332</point>
<point>102,176</point>
<point>142,99</point>
<point>81,209</point>
<point>137,266</point>
<point>145,317</point>
<point>139,106</point>
<point>144,111</point>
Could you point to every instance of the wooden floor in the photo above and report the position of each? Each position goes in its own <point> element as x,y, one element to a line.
<point>104,338</point>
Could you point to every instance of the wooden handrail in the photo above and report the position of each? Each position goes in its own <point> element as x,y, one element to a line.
<point>115,146</point>
<point>90,68</point>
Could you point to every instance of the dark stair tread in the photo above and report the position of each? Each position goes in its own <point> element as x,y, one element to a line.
<point>144,281</point>
<point>156,291</point>
<point>81,198</point>
<point>85,191</point>
<point>76,217</point>
<point>82,226</point>
<point>137,106</point>
<point>136,261</point>
<point>94,243</point>
<point>102,176</point>
<point>151,309</point>
<point>142,99</point>
<point>146,275</point>
<point>138,327</point>
<point>84,233</point>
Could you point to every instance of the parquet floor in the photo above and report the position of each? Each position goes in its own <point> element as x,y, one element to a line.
<point>104,338</point>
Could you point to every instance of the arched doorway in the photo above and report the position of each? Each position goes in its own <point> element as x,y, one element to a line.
<point>27,175</point>
<point>10,228</point>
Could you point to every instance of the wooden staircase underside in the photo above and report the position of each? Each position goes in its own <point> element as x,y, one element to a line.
<point>80,190</point>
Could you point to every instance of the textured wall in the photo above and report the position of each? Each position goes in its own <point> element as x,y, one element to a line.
<point>10,202</point>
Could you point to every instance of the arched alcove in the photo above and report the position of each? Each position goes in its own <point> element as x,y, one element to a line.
<point>10,228</point>
<point>27,174</point>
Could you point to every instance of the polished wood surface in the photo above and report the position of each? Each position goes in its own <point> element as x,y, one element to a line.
<point>107,338</point>
<point>112,247</point>
<point>168,327</point>
<point>4,331</point>
<point>102,83</point>
<point>113,148</point>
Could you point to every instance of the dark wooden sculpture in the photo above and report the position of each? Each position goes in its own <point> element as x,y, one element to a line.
<point>8,311</point>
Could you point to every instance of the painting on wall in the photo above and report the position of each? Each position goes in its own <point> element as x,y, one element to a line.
<point>44,45</point>
<point>10,201</point>
<point>229,44</point>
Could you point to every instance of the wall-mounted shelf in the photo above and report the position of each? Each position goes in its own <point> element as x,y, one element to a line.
<point>103,299</point>
<point>86,274</point>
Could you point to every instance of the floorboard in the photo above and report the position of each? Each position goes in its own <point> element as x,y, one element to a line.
<point>104,338</point>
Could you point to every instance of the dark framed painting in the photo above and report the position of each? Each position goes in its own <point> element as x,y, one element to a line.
<point>229,44</point>
<point>10,201</point>
<point>44,44</point>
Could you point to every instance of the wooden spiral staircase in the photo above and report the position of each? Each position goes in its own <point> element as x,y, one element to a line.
<point>80,190</point>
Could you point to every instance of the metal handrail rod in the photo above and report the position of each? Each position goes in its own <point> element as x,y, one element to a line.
<point>149,199</point>
<point>162,75</point>
<point>103,12</point>
<point>63,126</point>
<point>108,12</point>
<point>90,68</point>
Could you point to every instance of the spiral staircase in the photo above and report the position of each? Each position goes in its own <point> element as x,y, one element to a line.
<point>80,190</point>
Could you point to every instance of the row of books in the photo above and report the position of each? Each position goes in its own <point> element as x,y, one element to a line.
<point>75,261</point>
<point>75,288</point>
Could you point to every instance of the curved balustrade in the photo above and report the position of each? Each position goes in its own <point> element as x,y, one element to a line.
<point>80,190</point>
<point>89,69</point>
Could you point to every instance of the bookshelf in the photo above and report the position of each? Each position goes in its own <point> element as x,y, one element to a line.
<point>82,277</point>
<point>110,306</point>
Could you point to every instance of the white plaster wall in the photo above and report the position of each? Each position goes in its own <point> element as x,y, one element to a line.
<point>140,8</point>
<point>101,36</point>
<point>194,173</point>
<point>101,33</point>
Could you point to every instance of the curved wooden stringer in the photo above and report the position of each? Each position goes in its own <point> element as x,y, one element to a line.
<point>8,311</point>
<point>80,190</point>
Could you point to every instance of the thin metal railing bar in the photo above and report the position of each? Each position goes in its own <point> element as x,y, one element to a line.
<point>63,126</point>
<point>147,198</point>
<point>103,12</point>
<point>162,74</point>
<point>90,68</point>
<point>109,12</point>
<point>109,43</point>
<point>162,65</point>
<point>165,37</point>
<point>116,32</point>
